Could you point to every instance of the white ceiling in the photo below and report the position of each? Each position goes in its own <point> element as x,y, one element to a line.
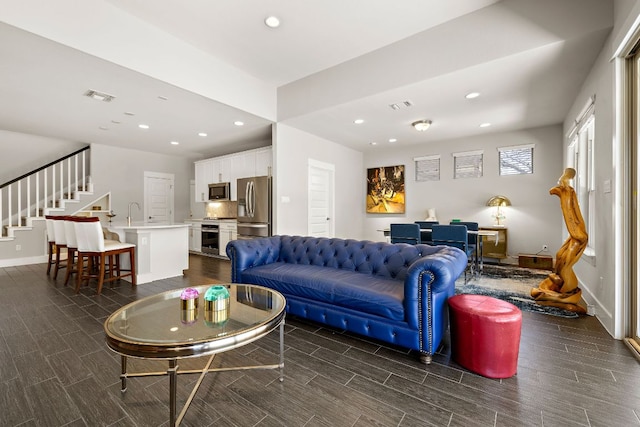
<point>330,62</point>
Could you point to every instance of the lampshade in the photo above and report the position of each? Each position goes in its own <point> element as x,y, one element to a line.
<point>422,125</point>
<point>499,201</point>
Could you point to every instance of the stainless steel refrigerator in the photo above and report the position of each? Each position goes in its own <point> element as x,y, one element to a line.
<point>254,207</point>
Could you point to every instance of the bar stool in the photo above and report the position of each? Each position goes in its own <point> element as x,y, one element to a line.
<point>72,247</point>
<point>91,243</point>
<point>51,239</point>
<point>61,243</point>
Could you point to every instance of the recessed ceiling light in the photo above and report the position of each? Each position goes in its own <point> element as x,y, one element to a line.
<point>175,143</point>
<point>272,22</point>
<point>202,134</point>
<point>238,123</point>
<point>392,140</point>
<point>143,126</point>
<point>422,125</point>
<point>472,95</point>
<point>358,121</point>
<point>129,113</point>
<point>103,128</point>
<point>116,122</point>
<point>164,98</point>
<point>373,143</point>
<point>485,125</point>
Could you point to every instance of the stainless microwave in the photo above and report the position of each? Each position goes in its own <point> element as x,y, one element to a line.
<point>220,191</point>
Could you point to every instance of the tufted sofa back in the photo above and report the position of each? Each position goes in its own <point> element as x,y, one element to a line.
<point>374,258</point>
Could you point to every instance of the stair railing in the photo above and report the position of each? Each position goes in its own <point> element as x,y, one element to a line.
<point>32,193</point>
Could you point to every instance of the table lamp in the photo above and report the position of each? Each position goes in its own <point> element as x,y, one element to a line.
<point>498,202</point>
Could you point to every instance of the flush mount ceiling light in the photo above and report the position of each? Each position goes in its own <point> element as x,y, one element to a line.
<point>272,22</point>
<point>99,96</point>
<point>422,125</point>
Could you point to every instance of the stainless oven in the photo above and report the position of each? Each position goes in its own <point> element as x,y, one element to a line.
<point>210,239</point>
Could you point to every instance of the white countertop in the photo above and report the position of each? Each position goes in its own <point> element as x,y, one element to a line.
<point>145,225</point>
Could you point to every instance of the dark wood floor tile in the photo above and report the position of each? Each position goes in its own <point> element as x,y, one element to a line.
<point>327,369</point>
<point>51,342</point>
<point>319,340</point>
<point>34,320</point>
<point>51,404</point>
<point>104,368</point>
<point>33,368</point>
<point>414,371</point>
<point>8,370</point>
<point>286,403</point>
<point>143,408</point>
<point>503,420</point>
<point>370,409</point>
<point>96,408</point>
<point>353,340</point>
<point>60,300</point>
<point>295,341</point>
<point>354,365</point>
<point>90,325</point>
<point>409,421</point>
<point>68,367</point>
<point>97,311</point>
<point>15,408</point>
<point>73,311</point>
<point>82,343</point>
<point>401,401</point>
<point>554,420</point>
<point>460,421</point>
<point>450,402</point>
<point>12,325</point>
<point>227,403</point>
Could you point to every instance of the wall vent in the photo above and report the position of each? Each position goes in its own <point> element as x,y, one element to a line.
<point>400,105</point>
<point>99,96</point>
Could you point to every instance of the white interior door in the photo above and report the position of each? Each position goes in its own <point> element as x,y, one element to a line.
<point>158,196</point>
<point>321,199</point>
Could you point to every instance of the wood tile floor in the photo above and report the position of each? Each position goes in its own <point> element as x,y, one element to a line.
<point>55,370</point>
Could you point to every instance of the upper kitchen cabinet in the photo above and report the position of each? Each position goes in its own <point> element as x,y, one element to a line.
<point>204,176</point>
<point>229,168</point>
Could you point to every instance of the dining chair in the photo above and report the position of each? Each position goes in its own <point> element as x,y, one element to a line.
<point>72,247</point>
<point>456,236</point>
<point>92,244</point>
<point>405,233</point>
<point>425,230</point>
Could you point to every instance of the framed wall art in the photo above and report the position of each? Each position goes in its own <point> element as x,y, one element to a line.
<point>385,190</point>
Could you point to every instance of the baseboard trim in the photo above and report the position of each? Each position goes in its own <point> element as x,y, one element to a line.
<point>13,262</point>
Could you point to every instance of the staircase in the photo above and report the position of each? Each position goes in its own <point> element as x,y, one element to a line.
<point>62,187</point>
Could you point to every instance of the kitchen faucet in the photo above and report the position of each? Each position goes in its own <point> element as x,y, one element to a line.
<point>129,212</point>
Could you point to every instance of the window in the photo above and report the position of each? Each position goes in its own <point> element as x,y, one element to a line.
<point>427,168</point>
<point>467,164</point>
<point>517,160</point>
<point>580,157</point>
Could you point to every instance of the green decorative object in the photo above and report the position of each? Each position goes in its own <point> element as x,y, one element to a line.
<point>216,305</point>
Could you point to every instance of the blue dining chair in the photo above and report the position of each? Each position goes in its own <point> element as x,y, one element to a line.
<point>456,236</point>
<point>405,233</point>
<point>425,230</point>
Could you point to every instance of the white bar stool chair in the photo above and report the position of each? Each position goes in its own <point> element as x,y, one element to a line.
<point>61,243</point>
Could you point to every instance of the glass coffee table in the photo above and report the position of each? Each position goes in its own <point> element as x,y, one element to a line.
<point>164,327</point>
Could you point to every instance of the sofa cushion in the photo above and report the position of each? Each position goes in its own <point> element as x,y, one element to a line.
<point>371,294</point>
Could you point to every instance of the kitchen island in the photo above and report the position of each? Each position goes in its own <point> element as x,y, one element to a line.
<point>162,249</point>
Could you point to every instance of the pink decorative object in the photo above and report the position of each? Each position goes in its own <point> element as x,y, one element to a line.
<point>189,299</point>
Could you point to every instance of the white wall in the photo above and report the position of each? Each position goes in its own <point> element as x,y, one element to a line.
<point>121,172</point>
<point>533,220</point>
<point>292,151</point>
<point>21,153</point>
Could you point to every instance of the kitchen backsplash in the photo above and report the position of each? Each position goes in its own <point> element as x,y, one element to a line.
<point>222,209</point>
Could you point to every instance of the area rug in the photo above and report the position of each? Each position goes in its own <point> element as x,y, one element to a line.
<point>511,284</point>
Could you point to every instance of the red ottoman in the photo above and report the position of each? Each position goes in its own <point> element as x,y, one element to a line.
<point>485,335</point>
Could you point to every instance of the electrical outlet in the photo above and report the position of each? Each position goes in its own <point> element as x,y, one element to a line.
<point>18,247</point>
<point>545,247</point>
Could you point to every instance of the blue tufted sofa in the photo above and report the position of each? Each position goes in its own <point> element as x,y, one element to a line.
<point>391,292</point>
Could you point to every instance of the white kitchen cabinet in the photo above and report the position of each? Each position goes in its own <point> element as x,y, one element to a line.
<point>229,168</point>
<point>264,161</point>
<point>228,231</point>
<point>195,236</point>
<point>204,177</point>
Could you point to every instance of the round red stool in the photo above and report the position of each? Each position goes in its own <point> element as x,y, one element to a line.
<point>485,335</point>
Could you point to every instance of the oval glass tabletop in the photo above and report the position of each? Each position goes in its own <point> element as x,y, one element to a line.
<point>163,326</point>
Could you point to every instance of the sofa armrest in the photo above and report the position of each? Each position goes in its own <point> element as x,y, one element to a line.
<point>249,253</point>
<point>429,283</point>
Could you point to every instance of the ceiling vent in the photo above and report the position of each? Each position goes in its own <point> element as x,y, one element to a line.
<point>400,105</point>
<point>99,96</point>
